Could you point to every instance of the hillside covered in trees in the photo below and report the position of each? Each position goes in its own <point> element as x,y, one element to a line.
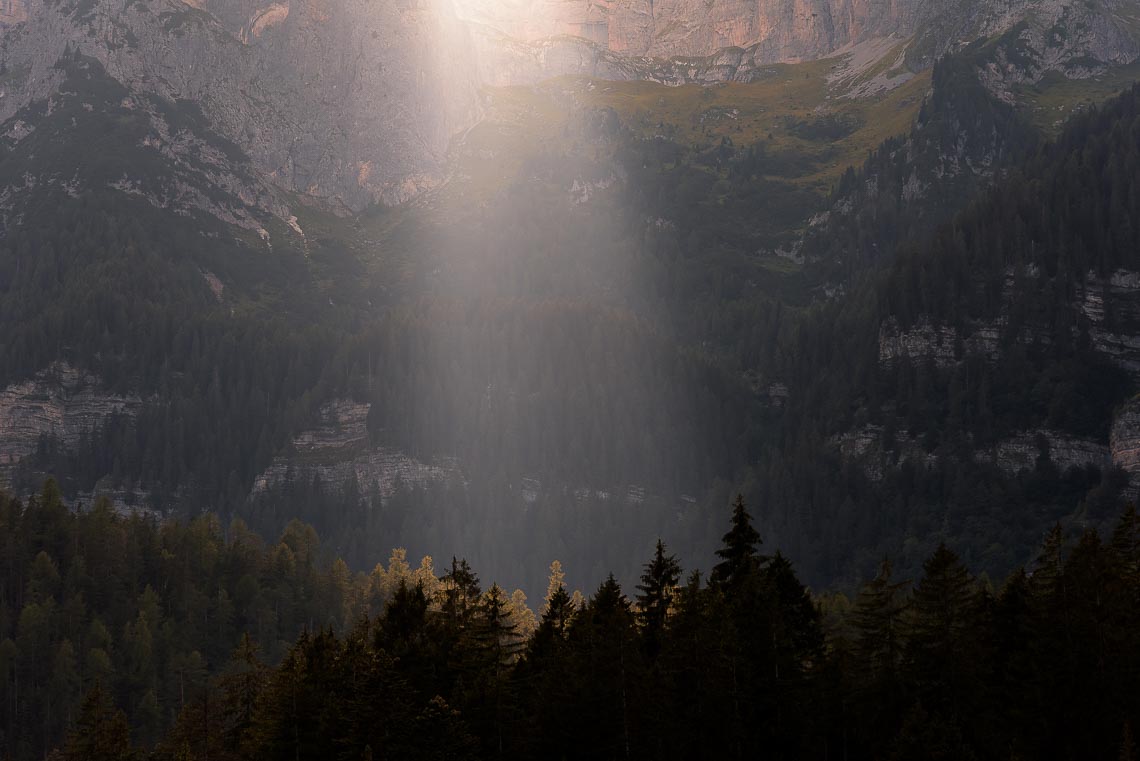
<point>125,639</point>
<point>996,313</point>
<point>604,326</point>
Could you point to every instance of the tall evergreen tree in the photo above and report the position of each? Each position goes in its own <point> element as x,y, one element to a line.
<point>461,594</point>
<point>658,583</point>
<point>739,556</point>
<point>942,650</point>
<point>101,731</point>
<point>605,639</point>
<point>241,686</point>
<point>879,622</point>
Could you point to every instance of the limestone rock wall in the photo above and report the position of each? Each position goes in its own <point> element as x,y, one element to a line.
<point>1112,307</point>
<point>1125,438</point>
<point>1108,308</point>
<point>338,451</point>
<point>791,30</point>
<point>786,29</point>
<point>924,340</point>
<point>876,453</point>
<point>1109,305</point>
<point>353,101</point>
<point>356,101</point>
<point>13,12</point>
<point>1022,452</point>
<point>61,403</point>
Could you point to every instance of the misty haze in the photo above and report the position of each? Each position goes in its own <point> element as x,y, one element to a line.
<point>569,379</point>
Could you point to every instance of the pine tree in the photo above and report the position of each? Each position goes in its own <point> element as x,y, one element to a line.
<point>1012,659</point>
<point>556,582</point>
<point>494,647</point>
<point>444,732</point>
<point>739,554</point>
<point>555,621</point>
<point>404,620</point>
<point>101,732</point>
<point>797,638</point>
<point>658,583</point>
<point>460,590</point>
<point>546,676</point>
<point>496,635</point>
<point>944,623</point>
<point>878,620</point>
<point>605,638</point>
<point>1124,549</point>
<point>241,684</point>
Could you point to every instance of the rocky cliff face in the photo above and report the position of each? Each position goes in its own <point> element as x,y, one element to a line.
<point>571,36</point>
<point>353,101</point>
<point>1109,305</point>
<point>338,452</point>
<point>357,101</point>
<point>1124,440</point>
<point>1109,310</point>
<point>60,403</point>
<point>876,452</point>
<point>13,11</point>
<point>784,29</point>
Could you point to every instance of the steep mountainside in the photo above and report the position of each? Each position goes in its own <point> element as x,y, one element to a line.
<point>982,386</point>
<point>730,39</point>
<point>583,320</point>
<point>355,103</point>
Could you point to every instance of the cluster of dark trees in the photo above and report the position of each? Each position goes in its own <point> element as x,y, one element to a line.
<point>741,663</point>
<point>963,139</point>
<point>145,609</point>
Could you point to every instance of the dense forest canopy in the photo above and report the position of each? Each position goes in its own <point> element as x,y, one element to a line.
<point>123,638</point>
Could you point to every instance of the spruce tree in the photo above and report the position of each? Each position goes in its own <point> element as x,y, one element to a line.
<point>943,625</point>
<point>657,587</point>
<point>605,639</point>
<point>546,676</point>
<point>878,620</point>
<point>494,648</point>
<point>241,684</point>
<point>460,591</point>
<point>739,554</point>
<point>101,732</point>
<point>557,581</point>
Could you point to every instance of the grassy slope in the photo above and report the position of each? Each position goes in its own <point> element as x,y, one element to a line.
<point>774,110</point>
<point>1050,103</point>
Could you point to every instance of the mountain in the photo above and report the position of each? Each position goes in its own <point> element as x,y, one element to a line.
<point>357,104</point>
<point>679,40</point>
<point>379,269</point>
<point>305,90</point>
<point>980,386</point>
<point>522,281</point>
<point>779,30</point>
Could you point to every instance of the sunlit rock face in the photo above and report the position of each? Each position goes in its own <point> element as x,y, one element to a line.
<point>574,36</point>
<point>13,11</point>
<point>352,101</point>
<point>786,29</point>
<point>356,101</point>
